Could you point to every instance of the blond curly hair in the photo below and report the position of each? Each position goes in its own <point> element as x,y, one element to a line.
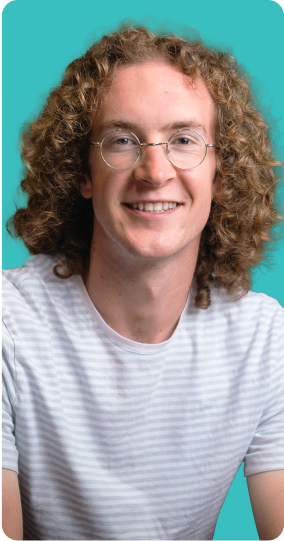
<point>55,153</point>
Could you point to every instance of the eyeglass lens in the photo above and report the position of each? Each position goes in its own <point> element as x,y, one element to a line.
<point>121,149</point>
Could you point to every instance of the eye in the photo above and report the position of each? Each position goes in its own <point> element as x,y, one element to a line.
<point>183,141</point>
<point>122,141</point>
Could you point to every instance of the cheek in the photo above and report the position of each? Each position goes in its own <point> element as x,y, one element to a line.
<point>200,187</point>
<point>101,201</point>
<point>99,176</point>
<point>110,187</point>
<point>106,196</point>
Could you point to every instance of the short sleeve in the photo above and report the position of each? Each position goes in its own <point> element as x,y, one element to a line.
<point>266,450</point>
<point>9,450</point>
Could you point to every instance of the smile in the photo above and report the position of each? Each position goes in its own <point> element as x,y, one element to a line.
<point>158,207</point>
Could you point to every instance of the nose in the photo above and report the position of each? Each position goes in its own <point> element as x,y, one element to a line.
<point>154,166</point>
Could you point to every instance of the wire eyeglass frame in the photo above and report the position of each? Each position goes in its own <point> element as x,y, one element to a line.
<point>152,145</point>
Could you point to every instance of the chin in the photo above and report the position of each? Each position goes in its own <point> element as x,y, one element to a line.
<point>154,252</point>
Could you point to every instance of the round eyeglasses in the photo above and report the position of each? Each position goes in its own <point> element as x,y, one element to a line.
<point>121,149</point>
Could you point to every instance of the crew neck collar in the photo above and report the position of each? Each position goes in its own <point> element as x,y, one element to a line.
<point>121,341</point>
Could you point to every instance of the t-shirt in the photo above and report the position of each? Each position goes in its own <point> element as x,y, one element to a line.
<point>115,439</point>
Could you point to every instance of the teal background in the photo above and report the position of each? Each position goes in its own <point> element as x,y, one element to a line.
<point>41,38</point>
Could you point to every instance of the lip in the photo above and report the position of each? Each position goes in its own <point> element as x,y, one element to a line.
<point>151,215</point>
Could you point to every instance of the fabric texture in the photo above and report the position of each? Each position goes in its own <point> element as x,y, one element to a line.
<point>113,439</point>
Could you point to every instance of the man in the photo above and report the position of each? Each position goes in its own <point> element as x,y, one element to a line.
<point>139,371</point>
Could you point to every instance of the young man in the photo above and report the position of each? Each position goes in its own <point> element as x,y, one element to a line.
<point>139,371</point>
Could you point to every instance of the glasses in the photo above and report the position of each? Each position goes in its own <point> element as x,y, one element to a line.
<point>121,149</point>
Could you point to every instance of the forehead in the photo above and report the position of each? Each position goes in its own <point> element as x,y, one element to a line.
<point>154,96</point>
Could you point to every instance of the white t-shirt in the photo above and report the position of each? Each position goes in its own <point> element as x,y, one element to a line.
<point>114,439</point>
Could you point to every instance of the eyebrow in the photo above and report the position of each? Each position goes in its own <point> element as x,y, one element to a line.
<point>116,123</point>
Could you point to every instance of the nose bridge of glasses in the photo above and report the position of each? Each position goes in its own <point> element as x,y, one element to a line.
<point>152,144</point>
<point>143,147</point>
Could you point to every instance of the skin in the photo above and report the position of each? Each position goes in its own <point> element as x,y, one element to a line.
<point>266,492</point>
<point>12,522</point>
<point>142,264</point>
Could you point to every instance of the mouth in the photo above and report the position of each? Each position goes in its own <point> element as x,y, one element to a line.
<point>158,207</point>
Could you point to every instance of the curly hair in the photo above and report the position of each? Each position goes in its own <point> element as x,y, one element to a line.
<point>55,153</point>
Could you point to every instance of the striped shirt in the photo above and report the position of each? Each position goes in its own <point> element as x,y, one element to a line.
<point>114,439</point>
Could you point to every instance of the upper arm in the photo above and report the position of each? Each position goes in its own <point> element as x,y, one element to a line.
<point>12,521</point>
<point>266,492</point>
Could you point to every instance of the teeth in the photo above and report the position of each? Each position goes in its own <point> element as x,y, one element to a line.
<point>149,207</point>
<point>154,207</point>
<point>158,206</point>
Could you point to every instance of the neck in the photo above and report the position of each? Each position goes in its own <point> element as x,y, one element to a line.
<point>141,300</point>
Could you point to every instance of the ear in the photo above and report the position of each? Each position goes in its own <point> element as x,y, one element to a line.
<point>85,187</point>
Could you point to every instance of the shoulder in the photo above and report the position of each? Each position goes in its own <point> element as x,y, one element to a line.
<point>253,323</point>
<point>35,279</point>
<point>252,307</point>
<point>33,292</point>
<point>37,268</point>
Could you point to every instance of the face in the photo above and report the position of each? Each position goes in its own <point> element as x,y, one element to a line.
<point>152,100</point>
